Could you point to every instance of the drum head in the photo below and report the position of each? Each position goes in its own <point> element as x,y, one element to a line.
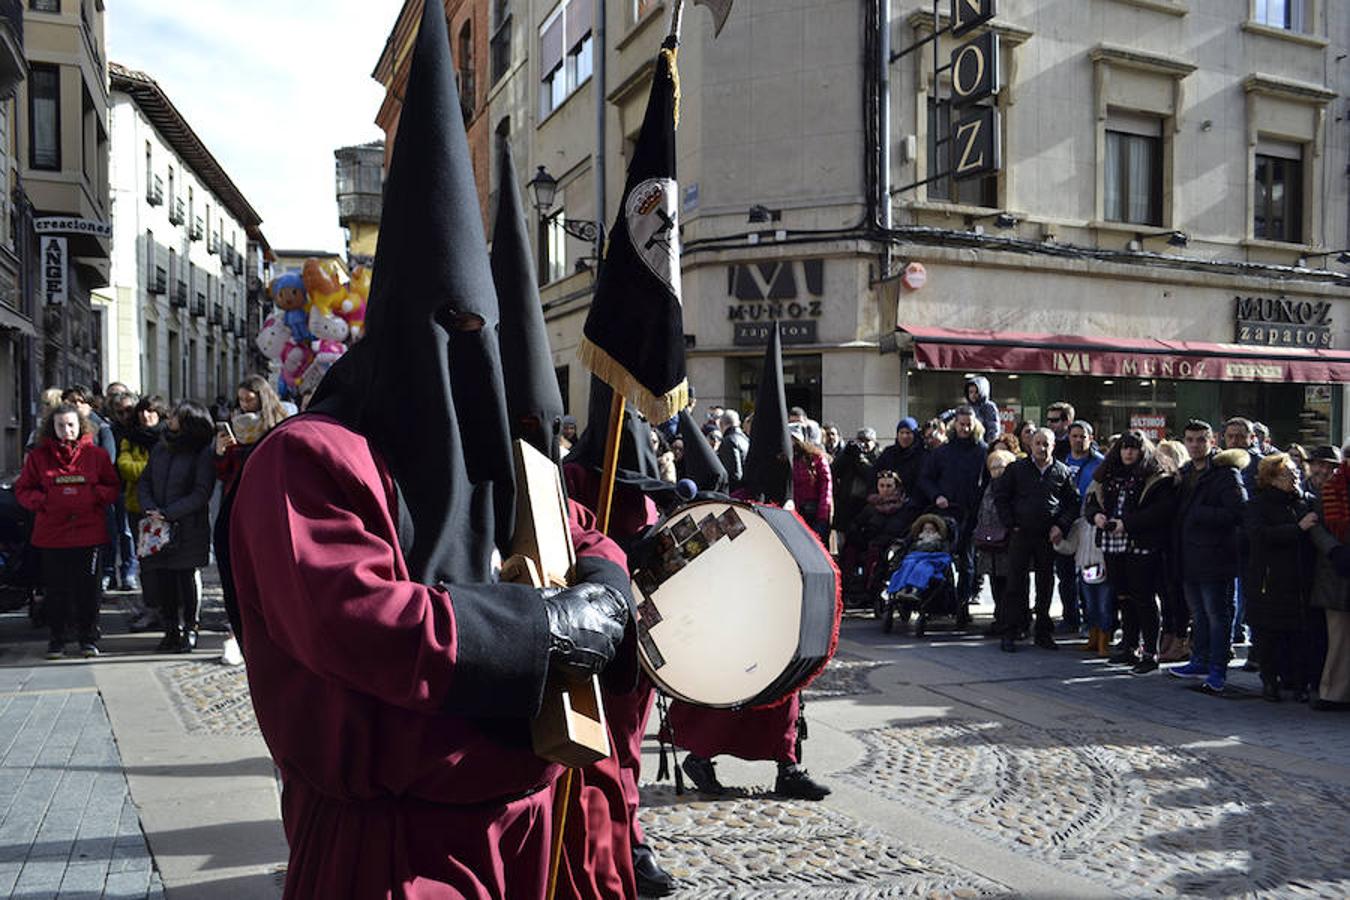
<point>720,603</point>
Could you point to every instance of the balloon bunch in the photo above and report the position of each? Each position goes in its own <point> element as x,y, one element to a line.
<point>317,317</point>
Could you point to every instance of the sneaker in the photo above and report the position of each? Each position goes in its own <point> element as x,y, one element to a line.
<point>230,654</point>
<point>794,782</point>
<point>1213,683</point>
<point>55,649</point>
<point>1123,657</point>
<point>131,583</point>
<point>89,651</point>
<point>1144,666</point>
<point>703,773</point>
<point>1191,669</point>
<point>104,583</point>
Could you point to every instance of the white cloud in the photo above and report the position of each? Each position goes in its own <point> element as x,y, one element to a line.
<point>272,88</point>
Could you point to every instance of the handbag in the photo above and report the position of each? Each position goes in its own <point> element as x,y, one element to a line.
<point>991,537</point>
<point>153,536</point>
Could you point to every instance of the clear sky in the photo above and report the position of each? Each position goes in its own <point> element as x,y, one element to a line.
<point>272,87</point>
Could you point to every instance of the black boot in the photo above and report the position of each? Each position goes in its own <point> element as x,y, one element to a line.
<point>1270,690</point>
<point>652,880</point>
<point>170,642</point>
<point>795,783</point>
<point>703,774</point>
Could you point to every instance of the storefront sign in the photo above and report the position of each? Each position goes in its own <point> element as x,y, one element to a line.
<point>1153,427</point>
<point>750,334</point>
<point>976,144</point>
<point>54,268</point>
<point>72,225</point>
<point>975,70</point>
<point>969,14</point>
<point>788,290</point>
<point>1282,322</point>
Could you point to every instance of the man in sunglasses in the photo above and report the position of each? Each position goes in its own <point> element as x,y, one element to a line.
<point>1059,417</point>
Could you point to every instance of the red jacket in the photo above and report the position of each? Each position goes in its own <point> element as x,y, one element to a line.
<point>70,490</point>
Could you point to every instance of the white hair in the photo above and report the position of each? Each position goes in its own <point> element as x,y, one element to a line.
<point>1049,434</point>
<point>730,419</point>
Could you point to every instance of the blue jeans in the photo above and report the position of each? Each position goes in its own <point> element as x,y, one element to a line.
<point>1239,612</point>
<point>1100,599</point>
<point>1211,604</point>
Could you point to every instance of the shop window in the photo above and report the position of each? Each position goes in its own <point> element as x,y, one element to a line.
<point>565,53</point>
<point>552,248</point>
<point>1278,193</point>
<point>1290,15</point>
<point>802,385</point>
<point>1133,178</point>
<point>44,117</point>
<point>970,191</point>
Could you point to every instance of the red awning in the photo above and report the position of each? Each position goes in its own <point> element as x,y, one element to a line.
<point>963,349</point>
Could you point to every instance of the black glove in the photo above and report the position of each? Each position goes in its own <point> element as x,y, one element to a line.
<point>586,624</point>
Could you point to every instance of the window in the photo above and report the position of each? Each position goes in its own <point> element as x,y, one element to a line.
<point>1288,14</point>
<point>501,44</point>
<point>565,53</point>
<point>1278,194</point>
<point>1133,177</point>
<point>552,248</point>
<point>467,95</point>
<point>981,191</point>
<point>44,117</point>
<point>47,6</point>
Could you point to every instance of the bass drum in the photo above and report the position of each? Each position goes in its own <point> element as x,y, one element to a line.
<point>737,604</point>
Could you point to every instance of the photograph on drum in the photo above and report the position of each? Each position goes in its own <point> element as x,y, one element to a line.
<point>710,529</point>
<point>684,529</point>
<point>731,523</point>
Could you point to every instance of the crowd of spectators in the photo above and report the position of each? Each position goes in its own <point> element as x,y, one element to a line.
<point>1169,553</point>
<point>120,488</point>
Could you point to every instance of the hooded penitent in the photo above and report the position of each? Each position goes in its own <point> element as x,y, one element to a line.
<point>533,400</point>
<point>425,385</point>
<point>701,464</point>
<point>768,465</point>
<point>637,460</point>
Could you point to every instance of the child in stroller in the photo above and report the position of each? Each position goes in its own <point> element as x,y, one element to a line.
<point>922,578</point>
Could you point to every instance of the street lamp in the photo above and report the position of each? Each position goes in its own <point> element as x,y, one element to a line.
<point>544,188</point>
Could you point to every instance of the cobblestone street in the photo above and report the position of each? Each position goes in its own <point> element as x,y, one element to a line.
<point>958,771</point>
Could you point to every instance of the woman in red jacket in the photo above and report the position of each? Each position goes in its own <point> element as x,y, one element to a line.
<point>68,482</point>
<point>812,484</point>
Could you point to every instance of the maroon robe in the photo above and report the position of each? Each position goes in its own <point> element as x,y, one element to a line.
<point>755,733</point>
<point>597,859</point>
<point>369,688</point>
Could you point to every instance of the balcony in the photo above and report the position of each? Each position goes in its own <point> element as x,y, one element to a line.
<point>180,295</point>
<point>199,306</point>
<point>196,230</point>
<point>177,213</point>
<point>215,317</point>
<point>159,282</point>
<point>238,264</point>
<point>226,256</point>
<point>154,192</point>
<point>12,63</point>
<point>359,208</point>
<point>229,322</point>
<point>213,244</point>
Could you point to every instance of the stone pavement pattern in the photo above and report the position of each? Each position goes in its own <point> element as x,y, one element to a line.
<point>68,827</point>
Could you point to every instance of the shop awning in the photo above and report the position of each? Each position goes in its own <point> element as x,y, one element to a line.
<point>972,350</point>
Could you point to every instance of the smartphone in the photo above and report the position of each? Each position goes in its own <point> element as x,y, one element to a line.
<point>224,428</point>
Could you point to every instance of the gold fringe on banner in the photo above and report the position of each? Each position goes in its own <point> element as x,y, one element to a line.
<point>657,408</point>
<point>670,55</point>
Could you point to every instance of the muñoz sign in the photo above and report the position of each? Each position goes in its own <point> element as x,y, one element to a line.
<point>1282,322</point>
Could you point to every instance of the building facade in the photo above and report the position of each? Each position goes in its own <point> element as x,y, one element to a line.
<point>1170,204</point>
<point>18,255</point>
<point>360,198</point>
<point>178,306</point>
<point>63,154</point>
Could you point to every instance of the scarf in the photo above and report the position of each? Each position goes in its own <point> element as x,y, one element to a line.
<point>145,437</point>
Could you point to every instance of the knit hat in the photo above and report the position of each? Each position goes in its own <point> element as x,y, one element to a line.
<point>908,422</point>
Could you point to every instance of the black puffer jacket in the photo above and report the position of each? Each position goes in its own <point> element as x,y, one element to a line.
<point>1208,523</point>
<point>1280,560</point>
<point>1032,501</point>
<point>178,482</point>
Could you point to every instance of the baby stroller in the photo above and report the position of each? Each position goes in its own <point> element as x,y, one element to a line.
<point>18,558</point>
<point>922,581</point>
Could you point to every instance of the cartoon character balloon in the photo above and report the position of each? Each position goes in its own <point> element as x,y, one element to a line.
<point>317,315</point>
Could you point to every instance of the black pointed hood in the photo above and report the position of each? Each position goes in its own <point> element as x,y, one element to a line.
<point>768,464</point>
<point>425,384</point>
<point>701,464</point>
<point>533,401</point>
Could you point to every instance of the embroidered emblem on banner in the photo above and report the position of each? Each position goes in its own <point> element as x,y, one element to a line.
<point>654,228</point>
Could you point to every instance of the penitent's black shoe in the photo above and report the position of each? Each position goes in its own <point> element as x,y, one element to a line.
<point>1046,642</point>
<point>795,783</point>
<point>1008,645</point>
<point>652,880</point>
<point>703,774</point>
